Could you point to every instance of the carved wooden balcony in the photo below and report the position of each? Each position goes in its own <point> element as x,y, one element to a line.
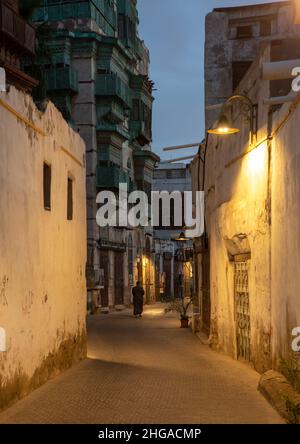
<point>15,33</point>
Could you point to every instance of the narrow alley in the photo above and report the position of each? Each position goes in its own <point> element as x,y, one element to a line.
<point>147,371</point>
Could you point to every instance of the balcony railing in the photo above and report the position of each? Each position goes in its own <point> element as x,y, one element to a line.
<point>112,85</point>
<point>113,128</point>
<point>114,113</point>
<point>62,79</point>
<point>16,29</point>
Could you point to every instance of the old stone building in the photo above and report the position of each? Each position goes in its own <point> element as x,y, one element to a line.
<point>96,70</point>
<point>17,39</point>
<point>173,263</point>
<point>230,52</point>
<point>42,231</point>
<point>246,264</point>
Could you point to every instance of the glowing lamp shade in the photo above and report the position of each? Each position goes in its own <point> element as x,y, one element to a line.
<point>182,238</point>
<point>223,127</point>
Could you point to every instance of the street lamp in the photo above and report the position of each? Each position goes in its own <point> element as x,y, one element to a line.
<point>223,127</point>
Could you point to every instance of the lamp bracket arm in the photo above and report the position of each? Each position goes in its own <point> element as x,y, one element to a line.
<point>252,108</point>
<point>241,98</point>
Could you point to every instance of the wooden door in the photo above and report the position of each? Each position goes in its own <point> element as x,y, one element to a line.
<point>119,278</point>
<point>104,265</point>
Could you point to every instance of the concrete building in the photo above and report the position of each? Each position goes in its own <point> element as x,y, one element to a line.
<point>42,236</point>
<point>246,264</point>
<point>96,71</point>
<point>230,52</point>
<point>173,263</point>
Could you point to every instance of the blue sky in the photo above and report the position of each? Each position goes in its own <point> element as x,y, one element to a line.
<point>174,32</point>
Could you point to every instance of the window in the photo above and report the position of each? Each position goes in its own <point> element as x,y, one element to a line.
<point>244,32</point>
<point>176,215</point>
<point>47,186</point>
<point>159,174</point>
<point>265,28</point>
<point>135,110</point>
<point>131,30</point>
<point>70,199</point>
<point>103,71</point>
<point>176,174</point>
<point>121,26</point>
<point>239,69</point>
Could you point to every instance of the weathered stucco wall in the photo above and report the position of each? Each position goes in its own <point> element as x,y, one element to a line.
<point>224,48</point>
<point>237,216</point>
<point>43,255</point>
<point>285,232</point>
<point>251,197</point>
<point>252,207</point>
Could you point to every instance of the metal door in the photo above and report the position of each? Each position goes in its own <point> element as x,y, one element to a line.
<point>119,278</point>
<point>242,309</point>
<point>177,278</point>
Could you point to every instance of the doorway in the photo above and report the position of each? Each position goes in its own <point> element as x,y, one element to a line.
<point>119,278</point>
<point>205,291</point>
<point>104,265</point>
<point>242,307</point>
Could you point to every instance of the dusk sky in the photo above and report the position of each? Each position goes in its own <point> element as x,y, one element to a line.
<point>174,32</point>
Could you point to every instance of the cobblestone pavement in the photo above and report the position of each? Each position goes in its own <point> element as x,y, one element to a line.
<point>147,371</point>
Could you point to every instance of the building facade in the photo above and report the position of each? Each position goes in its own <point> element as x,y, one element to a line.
<point>42,232</point>
<point>173,263</point>
<point>230,52</point>
<point>96,70</point>
<point>245,263</point>
<point>17,39</point>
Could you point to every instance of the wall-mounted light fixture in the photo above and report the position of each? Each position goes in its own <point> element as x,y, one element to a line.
<point>223,126</point>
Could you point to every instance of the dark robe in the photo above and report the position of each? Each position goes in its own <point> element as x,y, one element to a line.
<point>138,300</point>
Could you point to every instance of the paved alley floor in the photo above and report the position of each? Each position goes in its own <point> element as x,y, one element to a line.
<point>147,371</point>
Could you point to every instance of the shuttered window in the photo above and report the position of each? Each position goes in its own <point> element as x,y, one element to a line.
<point>244,32</point>
<point>70,199</point>
<point>47,186</point>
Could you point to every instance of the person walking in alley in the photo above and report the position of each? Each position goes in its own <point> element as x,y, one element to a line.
<point>138,300</point>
